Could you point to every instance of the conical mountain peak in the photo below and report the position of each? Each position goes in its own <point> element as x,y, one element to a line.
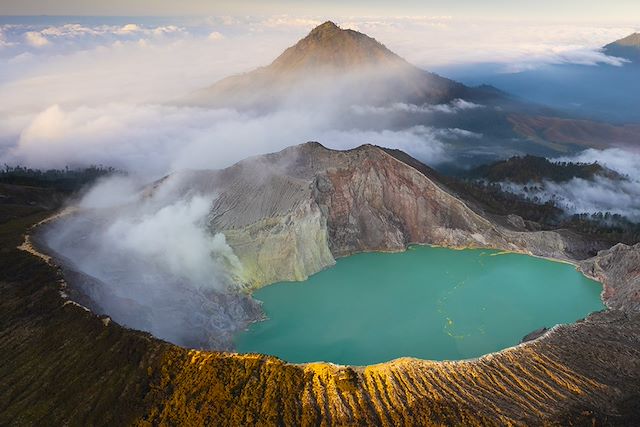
<point>332,60</point>
<point>328,46</point>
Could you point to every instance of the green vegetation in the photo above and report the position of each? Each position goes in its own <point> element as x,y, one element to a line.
<point>25,191</point>
<point>481,187</point>
<point>494,200</point>
<point>527,169</point>
<point>607,226</point>
<point>61,179</point>
<point>612,228</point>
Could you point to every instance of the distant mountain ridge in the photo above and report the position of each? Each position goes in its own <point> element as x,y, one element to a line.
<point>528,169</point>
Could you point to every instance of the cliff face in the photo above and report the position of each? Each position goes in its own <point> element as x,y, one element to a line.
<point>379,203</point>
<point>288,214</point>
<point>618,269</point>
<point>282,248</point>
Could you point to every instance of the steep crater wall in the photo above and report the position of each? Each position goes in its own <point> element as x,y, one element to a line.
<point>285,216</point>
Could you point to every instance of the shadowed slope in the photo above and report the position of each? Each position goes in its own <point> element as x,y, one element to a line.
<point>628,48</point>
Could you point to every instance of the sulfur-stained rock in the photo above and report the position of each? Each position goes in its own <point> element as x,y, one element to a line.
<point>288,214</point>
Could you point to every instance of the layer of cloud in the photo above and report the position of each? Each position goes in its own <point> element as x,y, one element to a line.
<point>36,39</point>
<point>215,36</point>
<point>151,65</point>
<point>422,142</point>
<point>94,94</point>
<point>453,107</point>
<point>155,139</point>
<point>428,41</point>
<point>147,60</point>
<point>432,42</point>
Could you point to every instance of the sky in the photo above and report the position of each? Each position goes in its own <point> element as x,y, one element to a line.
<point>548,10</point>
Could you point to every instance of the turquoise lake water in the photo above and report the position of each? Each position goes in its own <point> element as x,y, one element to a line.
<point>430,303</point>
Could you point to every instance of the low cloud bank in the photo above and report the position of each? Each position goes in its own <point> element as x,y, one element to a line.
<point>399,107</point>
<point>95,90</point>
<point>153,140</point>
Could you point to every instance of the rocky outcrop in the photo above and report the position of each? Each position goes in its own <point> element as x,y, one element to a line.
<point>378,203</point>
<point>282,248</point>
<point>618,269</point>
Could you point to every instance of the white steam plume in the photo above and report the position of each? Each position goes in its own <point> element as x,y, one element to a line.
<point>147,260</point>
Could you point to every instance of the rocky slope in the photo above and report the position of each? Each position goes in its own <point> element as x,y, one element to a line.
<point>328,45</point>
<point>289,214</point>
<point>618,269</point>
